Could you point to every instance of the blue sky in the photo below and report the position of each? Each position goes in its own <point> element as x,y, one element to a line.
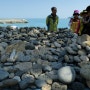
<point>39,8</point>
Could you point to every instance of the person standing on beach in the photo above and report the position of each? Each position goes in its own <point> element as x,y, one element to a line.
<point>52,20</point>
<point>75,22</point>
<point>84,18</point>
<point>87,28</point>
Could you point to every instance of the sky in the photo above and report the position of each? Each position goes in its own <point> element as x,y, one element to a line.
<point>40,8</point>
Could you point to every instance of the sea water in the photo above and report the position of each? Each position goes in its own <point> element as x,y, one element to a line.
<point>39,22</point>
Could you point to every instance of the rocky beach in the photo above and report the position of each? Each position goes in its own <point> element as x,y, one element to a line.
<point>32,58</point>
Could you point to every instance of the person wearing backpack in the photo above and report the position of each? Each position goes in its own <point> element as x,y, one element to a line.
<point>52,20</point>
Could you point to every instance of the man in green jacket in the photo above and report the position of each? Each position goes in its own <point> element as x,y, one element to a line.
<point>52,20</point>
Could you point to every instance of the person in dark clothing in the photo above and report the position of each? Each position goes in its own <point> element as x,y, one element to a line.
<point>84,21</point>
<point>88,21</point>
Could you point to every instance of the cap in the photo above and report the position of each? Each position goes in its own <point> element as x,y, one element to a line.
<point>76,12</point>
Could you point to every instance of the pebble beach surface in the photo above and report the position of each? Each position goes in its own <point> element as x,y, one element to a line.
<point>32,58</point>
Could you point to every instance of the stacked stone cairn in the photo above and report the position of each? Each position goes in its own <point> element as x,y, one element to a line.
<point>32,58</point>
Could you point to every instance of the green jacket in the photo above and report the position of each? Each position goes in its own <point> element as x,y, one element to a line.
<point>52,22</point>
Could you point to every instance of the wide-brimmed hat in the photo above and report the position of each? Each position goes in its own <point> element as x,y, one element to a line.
<point>88,9</point>
<point>76,12</point>
<point>83,12</point>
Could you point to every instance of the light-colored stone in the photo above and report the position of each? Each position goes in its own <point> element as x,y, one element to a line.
<point>17,78</point>
<point>46,87</point>
<point>66,74</point>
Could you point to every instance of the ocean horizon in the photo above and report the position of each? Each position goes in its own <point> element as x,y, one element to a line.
<point>38,22</point>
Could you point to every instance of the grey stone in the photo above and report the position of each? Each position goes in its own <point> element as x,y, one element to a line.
<point>3,44</point>
<point>70,50</point>
<point>4,58</point>
<point>81,52</point>
<point>10,82</point>
<point>29,46</point>
<point>77,59</point>
<point>24,83</point>
<point>53,74</point>
<point>45,78</point>
<point>40,83</point>
<point>8,64</point>
<point>2,50</point>
<point>57,45</point>
<point>85,72</point>
<point>36,70</point>
<point>88,48</point>
<point>24,66</point>
<point>66,74</point>
<point>23,58</point>
<point>56,65</point>
<point>17,78</point>
<point>47,68</point>
<point>3,74</point>
<point>84,58</point>
<point>78,86</point>
<point>28,76</point>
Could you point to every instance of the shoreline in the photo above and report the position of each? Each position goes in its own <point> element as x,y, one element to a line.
<point>13,20</point>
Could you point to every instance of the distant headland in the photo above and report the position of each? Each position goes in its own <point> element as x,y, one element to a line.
<point>13,20</point>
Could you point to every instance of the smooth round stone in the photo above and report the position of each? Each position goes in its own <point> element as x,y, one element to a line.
<point>66,74</point>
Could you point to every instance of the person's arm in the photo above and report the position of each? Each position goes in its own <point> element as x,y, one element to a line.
<point>47,21</point>
<point>70,22</point>
<point>57,20</point>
